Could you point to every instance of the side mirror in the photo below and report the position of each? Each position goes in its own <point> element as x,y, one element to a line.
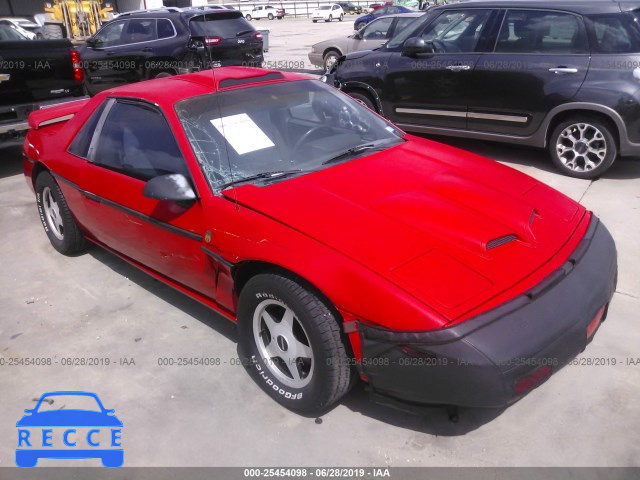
<point>172,187</point>
<point>417,46</point>
<point>357,35</point>
<point>91,42</point>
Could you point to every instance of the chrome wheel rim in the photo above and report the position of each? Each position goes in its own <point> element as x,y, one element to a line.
<point>52,213</point>
<point>581,147</point>
<point>330,61</point>
<point>283,343</point>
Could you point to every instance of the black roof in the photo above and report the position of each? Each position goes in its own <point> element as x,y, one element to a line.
<point>576,6</point>
<point>186,13</point>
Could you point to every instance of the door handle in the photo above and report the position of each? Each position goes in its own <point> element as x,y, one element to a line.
<point>458,68</point>
<point>563,70</point>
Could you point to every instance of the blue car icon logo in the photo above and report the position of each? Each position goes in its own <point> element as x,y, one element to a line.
<point>69,424</point>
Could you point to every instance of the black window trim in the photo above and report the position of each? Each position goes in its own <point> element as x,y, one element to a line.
<point>579,18</point>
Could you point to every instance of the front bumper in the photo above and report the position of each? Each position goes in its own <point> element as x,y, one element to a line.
<point>486,361</point>
<point>316,59</point>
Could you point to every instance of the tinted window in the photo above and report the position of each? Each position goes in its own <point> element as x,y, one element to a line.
<point>223,24</point>
<point>165,29</point>
<point>377,30</point>
<point>110,36</point>
<point>80,144</point>
<point>618,33</point>
<point>137,141</point>
<point>140,30</point>
<point>541,32</point>
<point>7,32</point>
<point>456,31</point>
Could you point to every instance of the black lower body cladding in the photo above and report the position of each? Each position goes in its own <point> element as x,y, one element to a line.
<point>495,358</point>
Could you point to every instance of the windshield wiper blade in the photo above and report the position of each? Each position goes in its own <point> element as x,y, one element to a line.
<point>243,32</point>
<point>350,151</point>
<point>262,175</point>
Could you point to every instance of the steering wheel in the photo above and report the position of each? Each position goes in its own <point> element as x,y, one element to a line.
<point>308,134</point>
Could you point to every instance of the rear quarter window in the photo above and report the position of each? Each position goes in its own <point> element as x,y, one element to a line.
<point>616,33</point>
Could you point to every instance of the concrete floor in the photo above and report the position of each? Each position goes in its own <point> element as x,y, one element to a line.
<point>95,305</point>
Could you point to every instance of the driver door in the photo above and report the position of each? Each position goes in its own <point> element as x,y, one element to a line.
<point>432,89</point>
<point>132,144</point>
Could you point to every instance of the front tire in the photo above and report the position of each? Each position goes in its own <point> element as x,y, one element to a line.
<point>330,19</point>
<point>330,58</point>
<point>315,21</point>
<point>341,17</point>
<point>248,17</point>
<point>583,147</point>
<point>57,220</point>
<point>363,99</point>
<point>291,344</point>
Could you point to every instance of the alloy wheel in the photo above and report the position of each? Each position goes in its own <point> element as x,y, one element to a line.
<point>581,147</point>
<point>283,343</point>
<point>52,213</point>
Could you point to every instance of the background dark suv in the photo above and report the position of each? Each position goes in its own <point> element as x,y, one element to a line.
<point>142,45</point>
<point>563,75</point>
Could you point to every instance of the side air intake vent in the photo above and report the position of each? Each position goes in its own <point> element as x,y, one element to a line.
<point>496,242</point>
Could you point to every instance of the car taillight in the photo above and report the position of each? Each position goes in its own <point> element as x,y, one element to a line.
<point>212,40</point>
<point>532,380</point>
<point>78,72</point>
<point>257,36</point>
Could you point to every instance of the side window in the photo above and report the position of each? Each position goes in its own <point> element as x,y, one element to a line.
<point>619,33</point>
<point>110,35</point>
<point>525,31</point>
<point>140,30</point>
<point>137,141</point>
<point>402,23</point>
<point>80,144</point>
<point>377,30</point>
<point>456,31</point>
<point>165,28</point>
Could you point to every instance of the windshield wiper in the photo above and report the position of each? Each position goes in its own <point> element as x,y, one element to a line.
<point>263,175</point>
<point>243,32</point>
<point>350,151</point>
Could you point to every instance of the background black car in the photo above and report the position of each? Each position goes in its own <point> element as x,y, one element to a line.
<point>563,76</point>
<point>351,8</point>
<point>157,43</point>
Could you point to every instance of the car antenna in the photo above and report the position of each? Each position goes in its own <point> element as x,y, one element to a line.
<point>217,102</point>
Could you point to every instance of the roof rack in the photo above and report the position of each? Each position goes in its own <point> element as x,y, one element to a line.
<point>151,10</point>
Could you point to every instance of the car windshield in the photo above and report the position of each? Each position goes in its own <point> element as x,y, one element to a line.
<point>269,130</point>
<point>69,402</point>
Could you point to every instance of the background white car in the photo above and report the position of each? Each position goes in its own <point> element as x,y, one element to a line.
<point>265,11</point>
<point>328,13</point>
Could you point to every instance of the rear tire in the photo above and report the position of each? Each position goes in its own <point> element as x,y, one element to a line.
<point>341,17</point>
<point>53,31</point>
<point>315,21</point>
<point>583,147</point>
<point>270,16</point>
<point>248,17</point>
<point>281,325</point>
<point>330,19</point>
<point>57,220</point>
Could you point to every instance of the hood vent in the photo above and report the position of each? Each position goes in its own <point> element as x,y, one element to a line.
<point>497,242</point>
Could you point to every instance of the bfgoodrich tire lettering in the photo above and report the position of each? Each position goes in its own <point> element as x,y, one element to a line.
<point>56,218</point>
<point>291,344</point>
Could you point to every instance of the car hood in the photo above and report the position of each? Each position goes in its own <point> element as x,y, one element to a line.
<point>449,227</point>
<point>69,418</point>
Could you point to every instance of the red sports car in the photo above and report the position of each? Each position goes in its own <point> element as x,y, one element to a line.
<point>340,245</point>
